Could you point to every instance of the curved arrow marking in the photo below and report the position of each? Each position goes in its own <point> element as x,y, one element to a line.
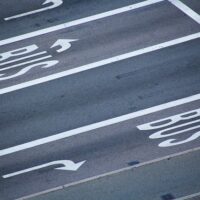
<point>55,3</point>
<point>64,44</point>
<point>68,166</point>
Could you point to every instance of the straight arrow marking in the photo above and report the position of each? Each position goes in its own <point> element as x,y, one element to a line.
<point>68,166</point>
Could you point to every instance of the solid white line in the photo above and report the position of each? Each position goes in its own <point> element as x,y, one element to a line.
<point>97,125</point>
<point>23,58</point>
<point>187,10</point>
<point>78,21</point>
<point>99,63</point>
<point>190,197</point>
<point>24,63</point>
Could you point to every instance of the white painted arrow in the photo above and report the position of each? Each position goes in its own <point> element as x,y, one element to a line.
<point>63,43</point>
<point>68,166</point>
<point>55,3</point>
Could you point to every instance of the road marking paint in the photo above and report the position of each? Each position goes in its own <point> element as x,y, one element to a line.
<point>171,142</point>
<point>64,44</point>
<point>79,21</point>
<point>68,166</point>
<point>187,10</point>
<point>173,130</point>
<point>98,125</point>
<point>43,65</point>
<point>24,63</point>
<point>115,172</point>
<point>23,58</point>
<point>18,52</point>
<point>55,3</point>
<point>173,126</point>
<point>190,197</point>
<point>169,121</point>
<point>99,63</point>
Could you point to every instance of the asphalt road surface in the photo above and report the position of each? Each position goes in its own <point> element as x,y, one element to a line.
<point>88,87</point>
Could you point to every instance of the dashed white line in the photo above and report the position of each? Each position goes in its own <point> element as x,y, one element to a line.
<point>79,21</point>
<point>187,10</point>
<point>101,124</point>
<point>100,63</point>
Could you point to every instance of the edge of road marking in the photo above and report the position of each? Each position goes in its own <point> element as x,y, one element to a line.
<point>100,63</point>
<point>97,125</point>
<point>150,162</point>
<point>187,10</point>
<point>189,197</point>
<point>78,21</point>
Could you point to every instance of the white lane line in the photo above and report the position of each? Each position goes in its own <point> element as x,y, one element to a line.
<point>97,125</point>
<point>24,63</point>
<point>99,63</point>
<point>187,10</point>
<point>23,58</point>
<point>79,21</point>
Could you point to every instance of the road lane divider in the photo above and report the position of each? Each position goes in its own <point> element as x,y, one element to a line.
<point>187,10</point>
<point>100,63</point>
<point>78,21</point>
<point>98,125</point>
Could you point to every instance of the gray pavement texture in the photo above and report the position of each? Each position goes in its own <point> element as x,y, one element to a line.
<point>107,149</point>
<point>99,94</point>
<point>70,10</point>
<point>106,38</point>
<point>170,178</point>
